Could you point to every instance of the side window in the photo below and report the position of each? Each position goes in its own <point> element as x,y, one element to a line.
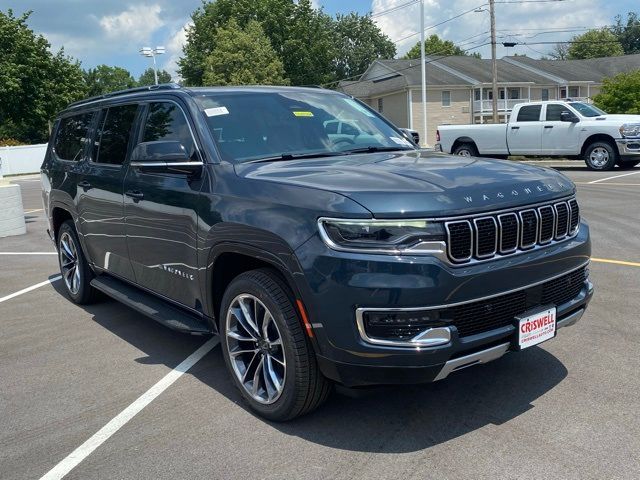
<point>554,111</point>
<point>331,127</point>
<point>165,121</point>
<point>72,136</point>
<point>529,113</point>
<point>112,138</point>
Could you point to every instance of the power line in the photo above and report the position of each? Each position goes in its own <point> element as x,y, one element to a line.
<point>393,9</point>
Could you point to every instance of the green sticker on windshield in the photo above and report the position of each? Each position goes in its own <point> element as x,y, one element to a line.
<point>303,114</point>
<point>359,107</point>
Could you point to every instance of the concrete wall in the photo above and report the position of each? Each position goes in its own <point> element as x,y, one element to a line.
<point>22,159</point>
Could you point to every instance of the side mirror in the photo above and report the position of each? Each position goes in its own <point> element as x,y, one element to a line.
<point>167,156</point>
<point>568,117</point>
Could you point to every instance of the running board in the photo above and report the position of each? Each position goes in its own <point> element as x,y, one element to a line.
<point>150,305</point>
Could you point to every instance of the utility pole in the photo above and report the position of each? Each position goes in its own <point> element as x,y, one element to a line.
<point>494,61</point>
<point>423,65</point>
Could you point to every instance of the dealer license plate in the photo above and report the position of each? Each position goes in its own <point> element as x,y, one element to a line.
<point>536,328</point>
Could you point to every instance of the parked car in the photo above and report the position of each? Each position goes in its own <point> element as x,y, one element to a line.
<point>230,211</point>
<point>551,129</point>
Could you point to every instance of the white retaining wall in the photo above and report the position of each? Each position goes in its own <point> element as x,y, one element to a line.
<point>22,159</point>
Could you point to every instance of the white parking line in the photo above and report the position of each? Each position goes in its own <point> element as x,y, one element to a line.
<point>29,289</point>
<point>611,178</point>
<point>28,253</point>
<point>84,450</point>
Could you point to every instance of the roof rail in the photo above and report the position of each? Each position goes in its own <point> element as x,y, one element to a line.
<point>162,86</point>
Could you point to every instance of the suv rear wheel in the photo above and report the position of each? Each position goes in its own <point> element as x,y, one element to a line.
<point>266,350</point>
<point>75,270</point>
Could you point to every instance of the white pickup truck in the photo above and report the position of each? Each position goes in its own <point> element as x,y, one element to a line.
<point>551,129</point>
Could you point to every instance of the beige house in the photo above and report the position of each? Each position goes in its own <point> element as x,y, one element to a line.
<point>459,88</point>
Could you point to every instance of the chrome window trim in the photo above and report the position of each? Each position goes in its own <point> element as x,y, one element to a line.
<point>554,221</point>
<point>557,236</point>
<point>166,164</point>
<point>360,310</point>
<point>535,240</point>
<point>572,232</point>
<point>514,249</point>
<point>451,257</point>
<point>477,236</point>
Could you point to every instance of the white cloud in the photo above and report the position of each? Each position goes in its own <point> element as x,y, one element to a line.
<point>513,23</point>
<point>174,45</point>
<point>136,24</point>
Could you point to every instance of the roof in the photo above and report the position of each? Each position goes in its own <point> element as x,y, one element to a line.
<point>384,76</point>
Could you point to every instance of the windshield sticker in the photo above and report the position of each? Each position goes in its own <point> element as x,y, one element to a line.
<point>215,111</point>
<point>299,113</point>
<point>400,141</point>
<point>359,107</point>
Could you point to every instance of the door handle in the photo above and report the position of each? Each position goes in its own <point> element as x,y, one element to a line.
<point>548,126</point>
<point>84,185</point>
<point>515,128</point>
<point>137,195</point>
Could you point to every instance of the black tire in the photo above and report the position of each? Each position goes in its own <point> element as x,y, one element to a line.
<point>600,156</point>
<point>78,287</point>
<point>466,150</point>
<point>304,388</point>
<point>627,165</point>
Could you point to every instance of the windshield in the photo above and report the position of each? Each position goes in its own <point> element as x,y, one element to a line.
<point>587,110</point>
<point>284,124</point>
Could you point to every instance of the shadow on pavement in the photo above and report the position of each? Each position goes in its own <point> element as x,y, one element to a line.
<point>388,420</point>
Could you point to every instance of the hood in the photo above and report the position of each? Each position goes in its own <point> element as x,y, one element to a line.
<point>415,184</point>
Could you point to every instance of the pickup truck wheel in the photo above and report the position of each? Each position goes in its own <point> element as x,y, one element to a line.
<point>466,150</point>
<point>75,270</point>
<point>266,350</point>
<point>600,156</point>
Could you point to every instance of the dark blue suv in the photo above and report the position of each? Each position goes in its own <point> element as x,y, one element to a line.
<point>311,235</point>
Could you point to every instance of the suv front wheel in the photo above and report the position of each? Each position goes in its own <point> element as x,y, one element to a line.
<point>266,350</point>
<point>75,270</point>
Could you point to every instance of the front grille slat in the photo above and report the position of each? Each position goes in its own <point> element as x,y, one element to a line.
<point>484,315</point>
<point>481,238</point>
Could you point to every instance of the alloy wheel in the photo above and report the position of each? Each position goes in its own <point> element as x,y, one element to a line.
<point>255,348</point>
<point>464,153</point>
<point>599,157</point>
<point>69,263</point>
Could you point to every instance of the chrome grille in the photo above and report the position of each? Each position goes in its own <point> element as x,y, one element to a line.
<point>486,236</point>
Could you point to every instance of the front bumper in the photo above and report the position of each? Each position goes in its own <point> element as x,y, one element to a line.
<point>337,284</point>
<point>629,147</point>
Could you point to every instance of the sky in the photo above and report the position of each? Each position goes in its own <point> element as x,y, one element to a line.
<point>112,31</point>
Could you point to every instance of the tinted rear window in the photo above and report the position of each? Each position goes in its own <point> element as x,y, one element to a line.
<point>72,137</point>
<point>530,113</point>
<point>112,140</point>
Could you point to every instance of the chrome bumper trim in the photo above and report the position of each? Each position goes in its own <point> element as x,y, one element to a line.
<point>623,146</point>
<point>477,358</point>
<point>571,319</point>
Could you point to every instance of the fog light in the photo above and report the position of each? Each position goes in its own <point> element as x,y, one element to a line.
<point>402,325</point>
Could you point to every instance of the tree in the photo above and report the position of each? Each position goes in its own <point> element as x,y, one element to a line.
<point>594,44</point>
<point>560,51</point>
<point>273,15</point>
<point>148,78</point>
<point>434,45</point>
<point>628,34</point>
<point>104,79</point>
<point>34,83</point>
<point>619,94</point>
<point>359,42</point>
<point>243,57</point>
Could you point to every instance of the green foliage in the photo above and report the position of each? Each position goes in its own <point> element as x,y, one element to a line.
<point>313,47</point>
<point>594,44</point>
<point>434,45</point>
<point>628,33</point>
<point>10,142</point>
<point>358,42</point>
<point>34,83</point>
<point>104,79</point>
<point>619,94</point>
<point>148,78</point>
<point>242,56</point>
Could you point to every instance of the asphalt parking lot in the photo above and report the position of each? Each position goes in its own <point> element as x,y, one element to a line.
<point>566,409</point>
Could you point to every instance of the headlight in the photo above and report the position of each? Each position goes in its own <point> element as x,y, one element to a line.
<point>630,130</point>
<point>380,236</point>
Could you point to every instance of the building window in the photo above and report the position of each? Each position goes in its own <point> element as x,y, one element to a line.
<point>574,91</point>
<point>545,94</point>
<point>380,105</point>
<point>514,93</point>
<point>446,98</point>
<point>476,94</point>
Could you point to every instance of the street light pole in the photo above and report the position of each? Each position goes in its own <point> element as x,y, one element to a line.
<point>152,52</point>
<point>423,69</point>
<point>494,61</point>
